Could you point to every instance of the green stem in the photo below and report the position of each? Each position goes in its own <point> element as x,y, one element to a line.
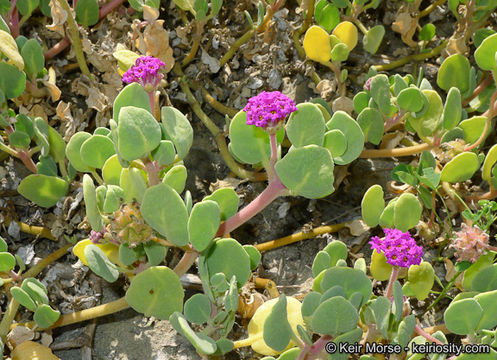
<point>8,149</point>
<point>235,46</point>
<point>75,39</point>
<point>444,291</point>
<point>8,318</point>
<point>97,177</point>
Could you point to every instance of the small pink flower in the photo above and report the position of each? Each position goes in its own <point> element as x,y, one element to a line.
<point>145,72</point>
<point>399,248</point>
<point>268,109</point>
<point>470,243</point>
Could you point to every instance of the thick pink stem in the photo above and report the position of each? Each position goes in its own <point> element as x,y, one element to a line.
<point>274,189</point>
<point>426,335</point>
<point>393,277</point>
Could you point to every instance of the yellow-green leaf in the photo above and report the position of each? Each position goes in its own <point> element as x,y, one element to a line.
<point>9,48</point>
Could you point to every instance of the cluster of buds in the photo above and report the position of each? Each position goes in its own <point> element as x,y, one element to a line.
<point>470,243</point>
<point>268,110</point>
<point>399,248</point>
<point>145,72</point>
<point>128,226</point>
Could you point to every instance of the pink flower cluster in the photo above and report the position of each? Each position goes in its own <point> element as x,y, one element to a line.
<point>470,243</point>
<point>399,248</point>
<point>268,109</point>
<point>145,72</point>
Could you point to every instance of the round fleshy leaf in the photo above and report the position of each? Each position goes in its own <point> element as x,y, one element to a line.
<point>454,72</point>
<point>176,178</point>
<point>380,269</point>
<point>485,279</point>
<point>132,95</point>
<point>462,317</point>
<point>420,280</point>
<point>3,244</point>
<point>386,218</point>
<point>23,298</point>
<point>347,33</point>
<point>45,316</point>
<point>9,48</point>
<point>139,133</point>
<point>203,224</point>
<point>452,113</point>
<point>461,168</point>
<point>483,262</point>
<point>170,221</point>
<point>202,343</point>
<point>92,211</point>
<point>306,126</point>
<point>57,145</point>
<point>277,330</point>
<point>488,164</point>
<point>227,199</point>
<point>100,264</point>
<point>372,205</point>
<point>43,190</point>
<point>427,32</point>
<point>334,316</point>
<point>372,39</point>
<point>407,212</point>
<point>340,52</point>
<point>19,139</point>
<point>249,143</point>
<point>12,81</point>
<point>73,151</point>
<point>307,171</point>
<point>126,255</point>
<point>352,281</point>
<point>177,129</point>
<point>406,329</point>
<point>381,310</point>
<point>380,92</point>
<point>7,262</point>
<point>227,256</point>
<point>133,183</point>
<point>156,253</point>
<point>165,153</point>
<point>487,301</point>
<point>353,133</point>
<point>257,323</point>
<point>111,171</point>
<point>87,12</point>
<point>32,54</point>
<point>126,58</point>
<point>254,254</point>
<point>321,262</point>
<point>427,124</point>
<point>361,101</point>
<point>371,122</point>
<point>335,142</point>
<point>96,150</point>
<point>326,15</point>
<point>317,44</point>
<point>198,309</point>
<point>337,250</point>
<point>485,54</point>
<point>157,291</point>
<point>411,99</point>
<point>36,290</point>
<point>473,128</point>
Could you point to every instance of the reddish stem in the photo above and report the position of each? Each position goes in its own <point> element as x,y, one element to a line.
<point>487,80</point>
<point>274,189</point>
<point>426,335</point>
<point>107,8</point>
<point>393,277</point>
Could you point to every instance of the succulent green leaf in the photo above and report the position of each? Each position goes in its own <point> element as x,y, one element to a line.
<point>488,164</point>
<point>352,280</point>
<point>411,99</point>
<point>26,7</point>
<point>372,205</point>
<point>32,54</point>
<point>19,139</point>
<point>250,143</point>
<point>177,129</point>
<point>156,253</point>
<point>487,301</point>
<point>157,291</point>
<point>353,133</point>
<point>407,212</point>
<point>335,142</point>
<point>398,300</point>
<point>45,316</point>
<point>100,264</point>
<point>310,304</point>
<point>203,344</point>
<point>171,220</point>
<point>361,101</point>
<point>381,310</point>
<point>87,12</point>
<point>73,151</point>
<point>12,80</point>
<point>176,178</point>
<point>306,125</point>
<point>92,211</point>
<point>337,250</point>
<point>57,145</point>
<point>227,256</point>
<point>227,199</point>
<point>371,122</point>
<point>387,216</point>
<point>36,290</point>
<point>132,95</point>
<point>43,190</point>
<point>427,32</point>
<point>307,171</point>
<point>127,255</point>
<point>485,53</point>
<point>350,337</point>
<point>96,150</point>
<point>483,262</point>
<point>326,15</point>
<point>321,262</point>
<point>165,153</point>
<point>461,168</point>
<point>334,316</point>
<point>111,171</point>
<point>485,279</point>
<point>7,261</point>
<point>473,128</point>
<point>428,122</point>
<point>254,254</point>
<point>277,330</point>
<point>380,92</point>
<point>454,72</point>
<point>198,309</point>
<point>406,329</point>
<point>372,39</point>
<point>23,298</point>
<point>462,317</point>
<point>452,112</point>
<point>139,133</point>
<point>3,245</point>
<point>203,224</point>
<point>133,183</point>
<point>340,52</point>
<point>420,280</point>
<point>336,290</point>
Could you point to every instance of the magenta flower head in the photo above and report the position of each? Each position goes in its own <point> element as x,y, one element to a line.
<point>399,248</point>
<point>470,243</point>
<point>268,110</point>
<point>145,72</point>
